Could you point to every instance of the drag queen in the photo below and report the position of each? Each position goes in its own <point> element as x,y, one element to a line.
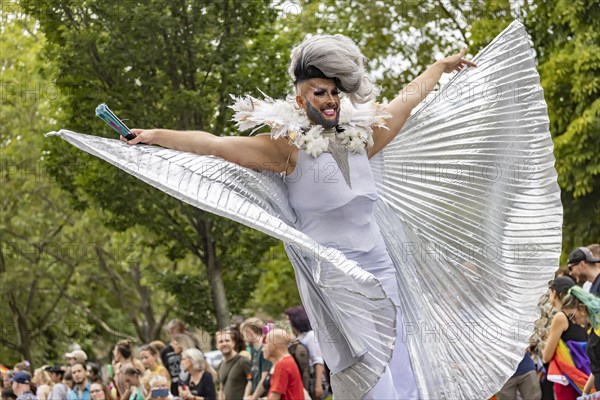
<point>325,164</point>
<point>419,257</point>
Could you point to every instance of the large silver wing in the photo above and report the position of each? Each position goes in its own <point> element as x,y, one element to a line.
<point>471,213</point>
<point>340,298</point>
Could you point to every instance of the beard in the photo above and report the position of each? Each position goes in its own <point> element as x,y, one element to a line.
<point>316,117</point>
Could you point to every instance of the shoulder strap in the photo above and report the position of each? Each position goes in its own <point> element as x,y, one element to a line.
<point>234,361</point>
<point>287,162</point>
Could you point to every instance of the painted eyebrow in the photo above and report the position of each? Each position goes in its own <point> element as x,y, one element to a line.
<point>323,88</point>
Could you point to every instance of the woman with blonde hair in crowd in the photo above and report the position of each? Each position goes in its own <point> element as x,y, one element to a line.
<point>158,345</point>
<point>99,391</point>
<point>584,309</point>
<point>150,357</point>
<point>180,343</point>
<point>43,383</point>
<point>563,349</point>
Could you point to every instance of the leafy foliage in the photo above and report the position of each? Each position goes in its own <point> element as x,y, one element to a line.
<point>276,289</point>
<point>56,263</point>
<point>34,261</point>
<point>567,37</point>
<point>159,64</point>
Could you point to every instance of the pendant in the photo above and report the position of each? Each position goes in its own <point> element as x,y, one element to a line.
<point>339,152</point>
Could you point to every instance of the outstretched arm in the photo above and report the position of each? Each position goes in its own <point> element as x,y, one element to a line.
<point>412,95</point>
<point>256,152</point>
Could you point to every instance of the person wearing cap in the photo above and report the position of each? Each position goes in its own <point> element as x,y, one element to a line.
<point>76,356</point>
<point>583,266</point>
<point>59,389</point>
<point>564,338</point>
<point>21,385</point>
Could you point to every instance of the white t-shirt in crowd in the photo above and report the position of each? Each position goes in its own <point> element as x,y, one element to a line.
<point>314,351</point>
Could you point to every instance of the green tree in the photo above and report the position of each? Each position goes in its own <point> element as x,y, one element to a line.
<point>160,64</point>
<point>276,289</point>
<point>114,290</point>
<point>64,277</point>
<point>566,35</point>
<point>33,221</point>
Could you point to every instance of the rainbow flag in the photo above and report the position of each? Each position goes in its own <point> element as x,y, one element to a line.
<point>570,365</point>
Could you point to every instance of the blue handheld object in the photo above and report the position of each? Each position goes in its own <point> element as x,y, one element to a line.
<point>159,393</point>
<point>111,119</point>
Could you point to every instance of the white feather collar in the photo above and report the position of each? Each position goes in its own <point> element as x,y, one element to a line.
<point>286,119</point>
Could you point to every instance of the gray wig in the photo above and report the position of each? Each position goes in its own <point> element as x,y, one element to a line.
<point>339,58</point>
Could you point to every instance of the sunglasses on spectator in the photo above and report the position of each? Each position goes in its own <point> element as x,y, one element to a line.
<point>570,266</point>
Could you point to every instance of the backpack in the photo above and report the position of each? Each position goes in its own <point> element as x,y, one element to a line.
<point>300,354</point>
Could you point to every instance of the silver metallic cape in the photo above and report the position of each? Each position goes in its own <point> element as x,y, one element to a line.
<point>470,211</point>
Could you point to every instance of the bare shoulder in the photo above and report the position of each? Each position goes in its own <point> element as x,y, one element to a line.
<point>280,149</point>
<point>560,321</point>
<point>260,152</point>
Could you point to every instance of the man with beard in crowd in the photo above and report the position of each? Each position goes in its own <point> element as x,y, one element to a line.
<point>233,370</point>
<point>81,386</point>
<point>583,266</point>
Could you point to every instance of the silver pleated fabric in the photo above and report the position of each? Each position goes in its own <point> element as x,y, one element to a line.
<point>469,209</point>
<point>471,214</point>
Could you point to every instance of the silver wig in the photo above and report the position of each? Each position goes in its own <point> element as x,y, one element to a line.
<point>339,58</point>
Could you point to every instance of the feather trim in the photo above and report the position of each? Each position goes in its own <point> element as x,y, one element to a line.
<point>286,119</point>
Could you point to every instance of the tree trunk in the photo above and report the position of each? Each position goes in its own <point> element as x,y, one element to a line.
<point>215,277</point>
<point>21,328</point>
<point>149,324</point>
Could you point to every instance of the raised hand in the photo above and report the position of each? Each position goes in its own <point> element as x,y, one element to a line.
<point>456,62</point>
<point>141,136</point>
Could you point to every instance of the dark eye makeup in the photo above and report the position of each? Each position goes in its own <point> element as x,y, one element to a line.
<point>321,92</point>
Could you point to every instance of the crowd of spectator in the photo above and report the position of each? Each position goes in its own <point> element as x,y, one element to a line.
<point>255,361</point>
<point>262,361</point>
<point>563,361</point>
